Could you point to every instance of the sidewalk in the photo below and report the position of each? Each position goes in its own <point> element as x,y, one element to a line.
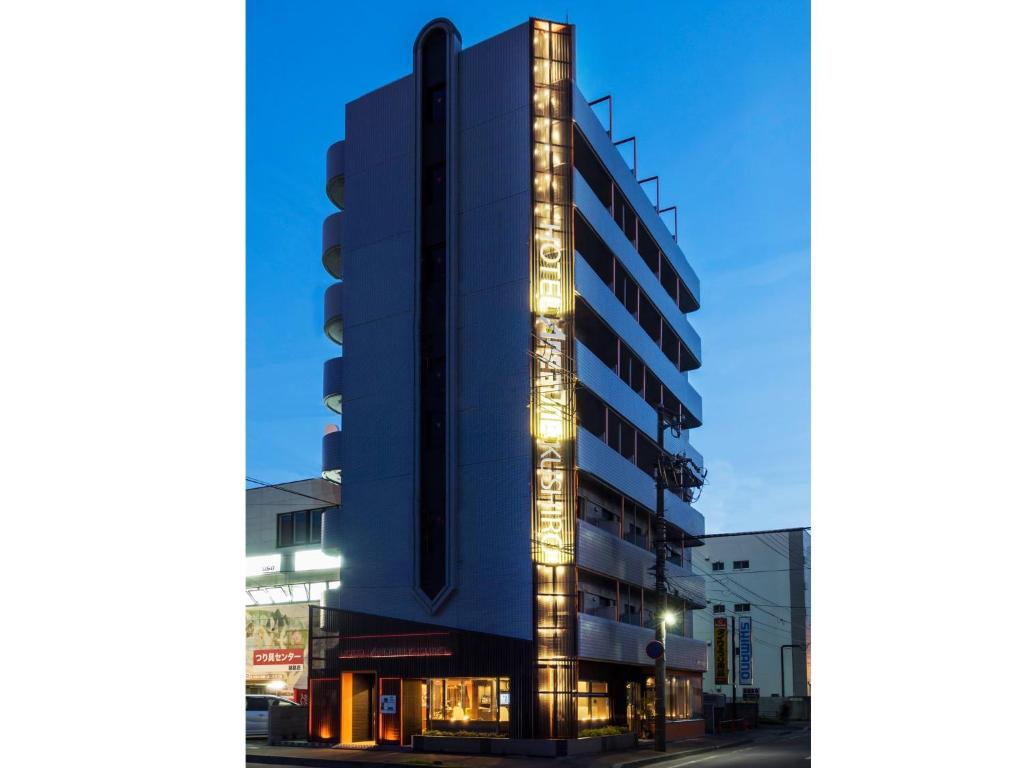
<point>260,753</point>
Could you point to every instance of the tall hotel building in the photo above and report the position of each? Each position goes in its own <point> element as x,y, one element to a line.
<point>512,311</point>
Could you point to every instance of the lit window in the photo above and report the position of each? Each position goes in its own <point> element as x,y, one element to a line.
<point>468,703</point>
<point>592,700</point>
<point>314,560</point>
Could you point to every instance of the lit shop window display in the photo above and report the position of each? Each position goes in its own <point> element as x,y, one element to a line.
<point>592,702</point>
<point>683,697</point>
<point>468,703</point>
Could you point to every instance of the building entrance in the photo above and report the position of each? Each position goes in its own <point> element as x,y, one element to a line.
<point>358,712</point>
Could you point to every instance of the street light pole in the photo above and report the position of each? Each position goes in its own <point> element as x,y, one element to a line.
<point>662,593</point>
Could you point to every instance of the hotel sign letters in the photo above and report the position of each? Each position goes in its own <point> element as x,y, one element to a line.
<point>553,424</point>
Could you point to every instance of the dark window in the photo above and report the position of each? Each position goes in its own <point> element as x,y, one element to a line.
<point>621,436</point>
<point>718,566</point>
<point>595,336</point>
<point>256,704</point>
<point>740,564</point>
<point>590,412</point>
<point>433,317</point>
<point>719,609</point>
<point>594,251</point>
<point>650,320</point>
<point>285,536</point>
<point>301,527</point>
<point>669,280</point>
<point>316,520</point>
<point>741,607</point>
<point>647,455</point>
<point>433,185</point>
<point>435,111</point>
<point>631,371</point>
<point>626,291</point>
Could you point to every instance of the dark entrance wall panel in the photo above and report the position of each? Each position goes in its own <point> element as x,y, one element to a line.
<point>411,704</point>
<point>324,709</point>
<point>345,641</point>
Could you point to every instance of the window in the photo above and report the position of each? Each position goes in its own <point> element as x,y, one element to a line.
<point>257,703</point>
<point>298,528</point>
<point>592,700</point>
<point>465,702</point>
<point>679,698</point>
<point>719,609</point>
<point>742,607</point>
<point>718,566</point>
<point>738,565</point>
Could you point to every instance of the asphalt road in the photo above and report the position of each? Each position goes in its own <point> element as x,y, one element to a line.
<point>790,751</point>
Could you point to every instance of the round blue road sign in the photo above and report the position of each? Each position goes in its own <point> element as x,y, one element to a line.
<point>655,649</point>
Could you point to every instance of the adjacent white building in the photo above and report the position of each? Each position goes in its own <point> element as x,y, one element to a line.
<point>763,577</point>
<point>286,572</point>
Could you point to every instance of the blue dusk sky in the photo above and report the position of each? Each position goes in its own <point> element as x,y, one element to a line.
<point>718,94</point>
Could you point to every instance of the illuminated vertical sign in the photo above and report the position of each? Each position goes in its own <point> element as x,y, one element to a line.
<point>745,641</point>
<point>552,412</point>
<point>721,651</point>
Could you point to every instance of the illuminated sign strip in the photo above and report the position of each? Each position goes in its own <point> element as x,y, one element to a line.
<point>552,402</point>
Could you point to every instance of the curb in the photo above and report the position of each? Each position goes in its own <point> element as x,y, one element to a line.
<point>324,762</point>
<point>680,754</point>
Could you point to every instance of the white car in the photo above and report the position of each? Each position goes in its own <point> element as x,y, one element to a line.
<point>257,712</point>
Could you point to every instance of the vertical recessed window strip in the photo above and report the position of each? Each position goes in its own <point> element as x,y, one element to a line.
<point>433,316</point>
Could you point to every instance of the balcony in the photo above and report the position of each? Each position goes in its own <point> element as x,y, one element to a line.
<point>332,244</point>
<point>331,456</point>
<point>332,383</point>
<point>593,456</point>
<point>624,325</point>
<point>605,383</point>
<point>600,220</point>
<point>607,554</point>
<point>333,316</point>
<point>611,159</point>
<point>604,640</point>
<point>336,173</point>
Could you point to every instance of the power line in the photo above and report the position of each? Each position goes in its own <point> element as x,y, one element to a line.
<point>713,578</point>
<point>280,487</point>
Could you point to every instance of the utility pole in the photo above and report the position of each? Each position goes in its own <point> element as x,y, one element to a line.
<point>782,668</point>
<point>735,657</point>
<point>683,476</point>
<point>662,593</point>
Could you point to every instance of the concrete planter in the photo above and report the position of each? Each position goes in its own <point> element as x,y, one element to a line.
<point>524,747</point>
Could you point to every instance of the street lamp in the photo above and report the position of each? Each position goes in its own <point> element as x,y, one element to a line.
<point>669,618</point>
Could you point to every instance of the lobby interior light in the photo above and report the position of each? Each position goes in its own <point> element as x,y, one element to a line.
<point>275,685</point>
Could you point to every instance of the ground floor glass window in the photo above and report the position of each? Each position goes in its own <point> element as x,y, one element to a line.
<point>592,701</point>
<point>468,703</point>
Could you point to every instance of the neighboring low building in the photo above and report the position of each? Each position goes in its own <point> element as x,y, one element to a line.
<point>760,580</point>
<point>286,572</point>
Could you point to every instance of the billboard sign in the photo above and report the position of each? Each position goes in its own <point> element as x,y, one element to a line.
<point>745,631</point>
<point>276,637</point>
<point>721,651</point>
